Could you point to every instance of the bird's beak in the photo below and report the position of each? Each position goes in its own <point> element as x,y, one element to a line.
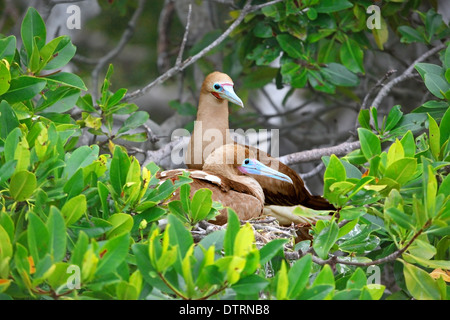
<point>256,167</point>
<point>229,94</point>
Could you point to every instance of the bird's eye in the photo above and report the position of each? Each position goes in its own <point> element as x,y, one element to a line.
<point>217,86</point>
<point>246,161</point>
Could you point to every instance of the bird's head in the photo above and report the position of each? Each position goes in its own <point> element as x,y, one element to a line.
<point>221,86</point>
<point>238,160</point>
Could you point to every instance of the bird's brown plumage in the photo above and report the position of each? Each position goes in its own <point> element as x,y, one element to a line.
<point>212,116</point>
<point>229,186</point>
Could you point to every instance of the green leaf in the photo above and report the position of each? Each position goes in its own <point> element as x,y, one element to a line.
<point>8,48</point>
<point>370,143</point>
<point>402,219</point>
<point>401,170</point>
<point>260,77</point>
<point>393,118</point>
<point>57,233</point>
<point>33,29</point>
<point>298,276</point>
<point>364,118</point>
<point>7,170</point>
<point>262,30</point>
<point>63,53</point>
<point>201,204</point>
<point>38,237</point>
<point>436,84</point>
<point>60,100</point>
<point>135,120</point>
<point>233,227</point>
<point>66,79</point>
<point>74,209</point>
<point>80,158</point>
<point>24,88</point>
<point>339,75</point>
<point>121,222</point>
<point>444,127</point>
<point>270,250</point>
<point>420,284</point>
<point>435,139</point>
<point>328,6</point>
<point>179,236</point>
<point>252,284</point>
<point>357,280</point>
<point>409,145</point>
<point>8,119</point>
<point>113,254</point>
<point>5,78</point>
<point>325,240</point>
<point>335,169</point>
<point>410,35</point>
<point>433,22</point>
<point>22,186</point>
<point>290,45</point>
<point>120,165</point>
<point>352,56</point>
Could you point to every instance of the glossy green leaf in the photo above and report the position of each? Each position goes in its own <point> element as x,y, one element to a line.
<point>271,249</point>
<point>80,158</point>
<point>8,48</point>
<point>5,78</point>
<point>33,29</point>
<point>352,56</point>
<point>24,88</point>
<point>328,6</point>
<point>419,283</point>
<point>121,223</point>
<point>63,53</point>
<point>201,204</point>
<point>298,276</point>
<point>74,209</point>
<point>401,170</point>
<point>402,219</point>
<point>252,284</point>
<point>339,75</point>
<point>394,116</point>
<point>370,143</point>
<point>325,240</point>
<point>233,227</point>
<point>66,79</point>
<point>22,186</point>
<point>290,45</point>
<point>135,120</point>
<point>38,237</point>
<point>113,254</point>
<point>57,234</point>
<point>8,119</point>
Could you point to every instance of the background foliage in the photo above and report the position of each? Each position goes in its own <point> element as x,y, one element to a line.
<point>68,206</point>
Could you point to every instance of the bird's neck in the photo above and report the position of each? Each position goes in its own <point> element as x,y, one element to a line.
<point>213,113</point>
<point>211,130</point>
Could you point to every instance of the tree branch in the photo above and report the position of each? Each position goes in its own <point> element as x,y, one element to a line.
<point>126,36</point>
<point>408,73</point>
<point>316,154</point>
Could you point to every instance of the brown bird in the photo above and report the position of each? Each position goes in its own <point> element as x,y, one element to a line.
<point>211,130</point>
<point>228,172</point>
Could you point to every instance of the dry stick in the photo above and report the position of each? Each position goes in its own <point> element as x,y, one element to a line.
<point>126,36</point>
<point>408,73</point>
<point>178,67</point>
<point>185,36</point>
